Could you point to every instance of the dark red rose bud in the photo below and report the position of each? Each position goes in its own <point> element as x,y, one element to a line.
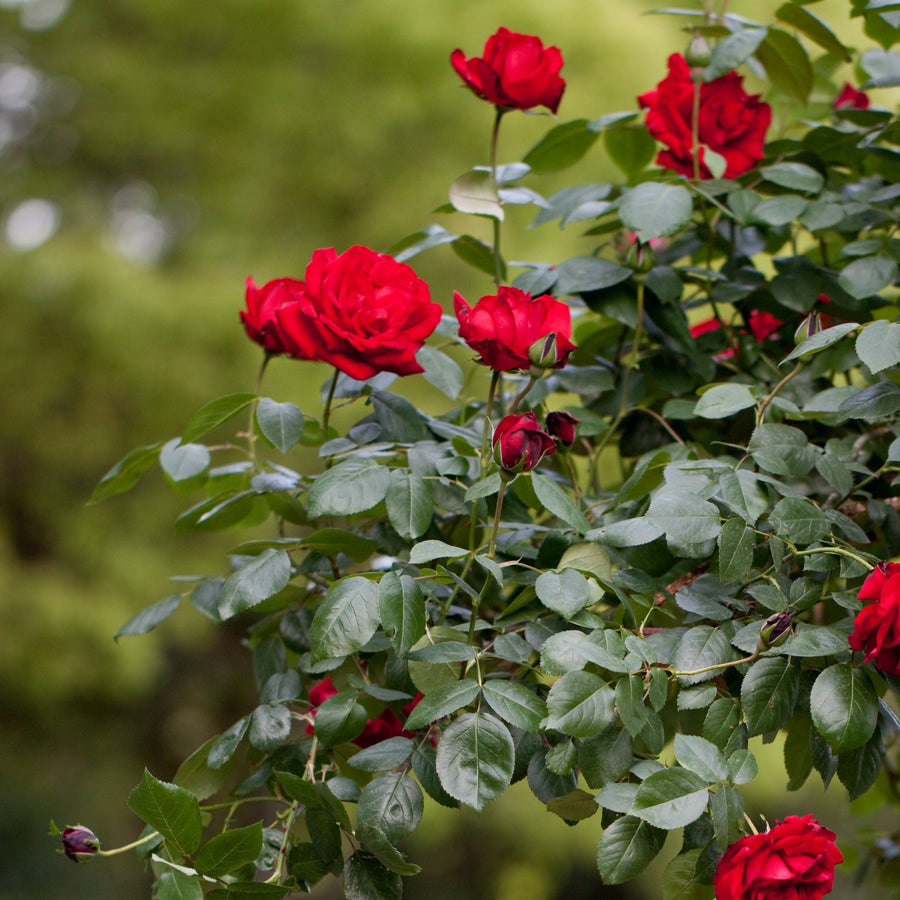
<point>850,98</point>
<point>79,843</point>
<point>775,631</point>
<point>561,426</point>
<point>732,123</point>
<point>519,443</point>
<point>516,72</point>
<point>260,319</point>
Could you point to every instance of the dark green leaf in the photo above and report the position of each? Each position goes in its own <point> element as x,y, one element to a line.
<point>878,345</point>
<point>733,51</point>
<point>820,340</point>
<point>873,402</point>
<point>410,503</point>
<point>557,501</point>
<point>280,423</point>
<point>654,209</point>
<point>769,694</point>
<point>799,521</point>
<point>701,757</point>
<point>175,885</point>
<point>298,788</point>
<point>736,545</point>
<point>630,147</point>
<point>561,147</point>
<point>147,619</point>
<point>859,769</point>
<point>781,450</point>
<point>579,704</point>
<point>365,878</point>
<point>125,473</point>
<point>630,704</point>
<point>797,176</point>
<point>352,486</point>
<point>627,848</point>
<point>402,608</point>
<point>813,27</point>
<point>844,707</point>
<point>226,852</point>
<point>565,592</point>
<point>197,776</point>
<point>223,749</point>
<point>589,273</point>
<point>514,703</point>
<point>742,767</point>
<point>340,718</point>
<point>670,798</point>
<point>261,578</point>
<point>477,254</point>
<point>722,725</point>
<point>727,809</point>
<point>375,842</point>
<point>346,619</point>
<point>332,541</point>
<point>441,371</point>
<point>865,277</point>
<point>380,757</point>
<point>475,759</point>
<point>426,551</point>
<point>215,414</point>
<point>442,701</point>
<point>786,64</point>
<point>392,803</point>
<point>724,400</point>
<point>270,727</point>
<point>700,647</point>
<point>171,810</point>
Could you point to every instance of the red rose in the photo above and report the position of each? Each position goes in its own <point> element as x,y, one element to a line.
<point>850,98</point>
<point>795,860</point>
<point>763,324</point>
<point>876,628</point>
<point>519,443</point>
<point>384,726</point>
<point>732,123</point>
<point>363,312</point>
<point>516,72</point>
<point>502,327</point>
<point>263,303</point>
<point>561,426</point>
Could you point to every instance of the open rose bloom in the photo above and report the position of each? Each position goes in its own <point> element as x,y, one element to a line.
<point>516,71</point>
<point>732,123</point>
<point>876,629</point>
<point>794,860</point>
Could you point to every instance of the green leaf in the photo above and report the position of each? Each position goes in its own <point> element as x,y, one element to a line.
<point>558,502</point>
<point>353,486</point>
<point>250,890</point>
<point>197,776</point>
<point>401,605</point>
<point>701,756</point>
<point>183,461</point>
<point>814,28</point>
<point>723,400</point>
<point>147,619</point>
<point>579,704</point>
<point>477,254</point>
<point>441,371</point>
<point>630,147</point>
<point>873,402</point>
<point>486,487</point>
<point>815,640</point>
<point>171,810</point>
<point>722,725</point>
<point>820,340</point>
<point>678,878</point>
<point>727,809</point>
<point>270,727</point>
<point>565,592</point>
<point>786,64</point>
<point>226,852</point>
<point>859,769</point>
<point>799,521</point>
<point>654,209</point>
<point>262,577</point>
<point>444,700</point>
<point>561,147</point>
<point>701,647</point>
<point>769,694</point>
<point>475,193</point>
<point>781,450</point>
<point>222,751</point>
<point>340,718</point>
<point>733,51</point>
<point>777,211</point>
<point>627,848</point>
<point>844,707</point>
<point>384,755</point>
<point>281,424</point>
<point>589,273</point>
<point>376,843</point>
<point>742,767</point>
<point>331,541</point>
<point>670,798</point>
<point>878,345</point>
<point>392,803</point>
<point>175,885</point>
<point>215,414</point>
<point>426,551</point>
<point>685,518</point>
<point>346,619</point>
<point>124,475</point>
<point>298,788</point>
<point>410,503</point>
<point>365,878</point>
<point>630,704</point>
<point>797,176</point>
<point>737,542</point>
<point>515,704</point>
<point>475,759</point>
<point>867,276</point>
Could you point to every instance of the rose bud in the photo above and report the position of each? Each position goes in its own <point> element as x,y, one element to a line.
<point>519,443</point>
<point>811,325</point>
<point>561,427</point>
<point>698,53</point>
<point>79,843</point>
<point>544,354</point>
<point>775,631</point>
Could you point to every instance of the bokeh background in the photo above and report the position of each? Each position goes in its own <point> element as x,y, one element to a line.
<point>153,154</point>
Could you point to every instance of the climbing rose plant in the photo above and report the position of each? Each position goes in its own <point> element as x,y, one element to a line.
<point>654,522</point>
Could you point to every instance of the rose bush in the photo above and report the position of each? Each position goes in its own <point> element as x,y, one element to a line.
<point>793,860</point>
<point>516,71</point>
<point>731,123</point>
<point>623,621</point>
<point>360,311</point>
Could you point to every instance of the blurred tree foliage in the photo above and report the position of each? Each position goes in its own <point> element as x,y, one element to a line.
<point>177,149</point>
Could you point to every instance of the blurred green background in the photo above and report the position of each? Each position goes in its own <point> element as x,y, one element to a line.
<point>153,154</point>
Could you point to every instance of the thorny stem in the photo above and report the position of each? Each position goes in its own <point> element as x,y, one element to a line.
<point>251,425</point>
<point>633,355</point>
<point>495,134</point>
<point>291,814</point>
